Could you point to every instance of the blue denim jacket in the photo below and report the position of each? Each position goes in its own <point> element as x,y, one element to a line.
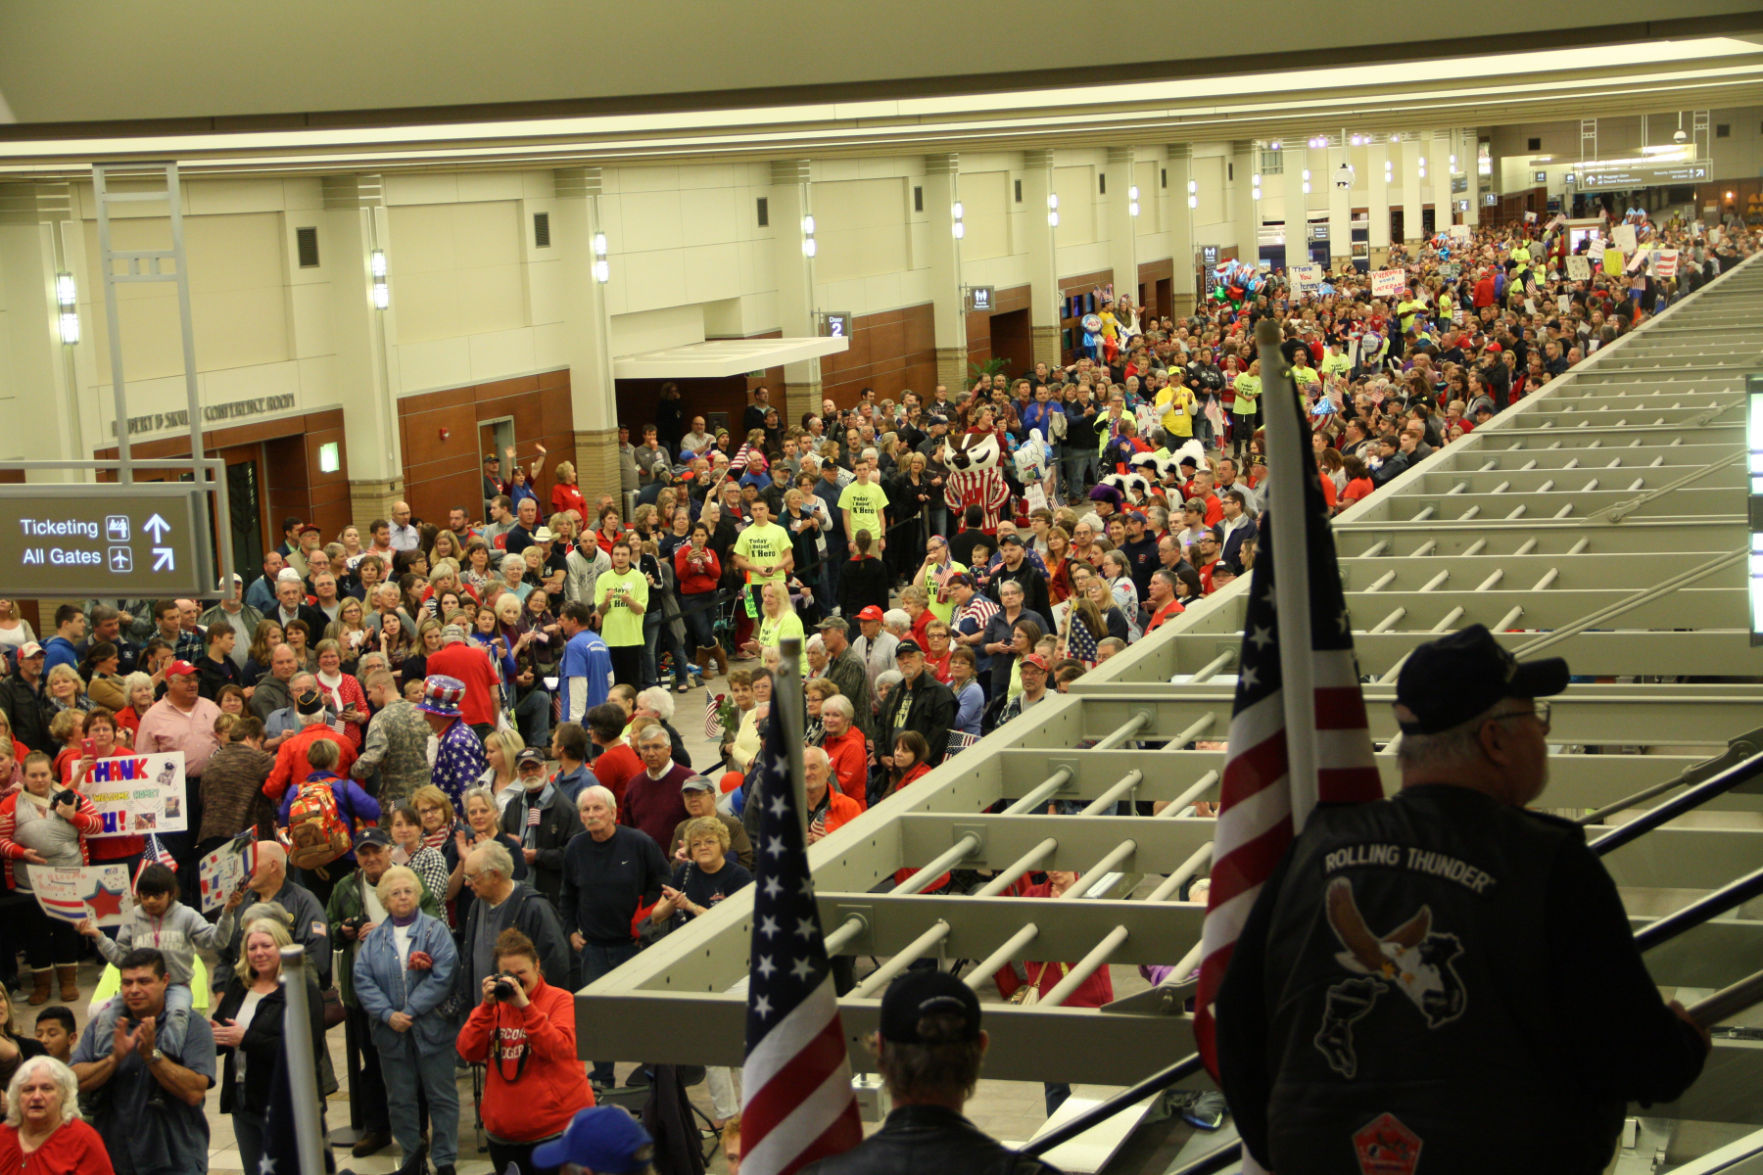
<point>383,985</point>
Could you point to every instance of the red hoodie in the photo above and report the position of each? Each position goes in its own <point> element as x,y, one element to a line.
<point>534,1083</point>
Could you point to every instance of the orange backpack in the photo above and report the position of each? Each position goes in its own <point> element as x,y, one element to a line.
<point>317,833</point>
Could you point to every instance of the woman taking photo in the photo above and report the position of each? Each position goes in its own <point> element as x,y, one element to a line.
<point>524,1035</point>
<point>409,850</point>
<point>403,974</point>
<point>247,1027</point>
<point>44,1132</point>
<point>40,829</point>
<point>697,571</point>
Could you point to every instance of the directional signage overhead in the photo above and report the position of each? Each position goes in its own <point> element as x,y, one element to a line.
<point>146,540</point>
<point>1643,176</point>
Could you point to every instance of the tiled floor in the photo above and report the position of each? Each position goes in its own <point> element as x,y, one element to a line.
<point>1009,1110</point>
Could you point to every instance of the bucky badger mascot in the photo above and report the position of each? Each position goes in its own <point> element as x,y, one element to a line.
<point>976,476</point>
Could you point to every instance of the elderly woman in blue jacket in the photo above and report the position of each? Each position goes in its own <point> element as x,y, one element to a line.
<point>403,974</point>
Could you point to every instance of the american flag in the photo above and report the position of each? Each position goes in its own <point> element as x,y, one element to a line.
<point>533,815</point>
<point>798,1105</point>
<point>1263,806</point>
<point>959,740</point>
<point>712,723</point>
<point>1083,642</point>
<point>159,854</point>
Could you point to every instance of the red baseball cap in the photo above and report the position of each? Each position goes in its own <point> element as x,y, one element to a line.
<point>1036,660</point>
<point>179,668</point>
<point>870,613</point>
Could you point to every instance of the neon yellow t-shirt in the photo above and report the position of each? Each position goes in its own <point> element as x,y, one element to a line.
<point>765,545</point>
<point>1333,364</point>
<point>866,503</point>
<point>1248,395</point>
<point>773,631</point>
<point>620,626</point>
<point>943,610</point>
<point>1177,404</point>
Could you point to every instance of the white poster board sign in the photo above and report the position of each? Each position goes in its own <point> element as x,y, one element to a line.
<point>138,794</point>
<point>1387,283</point>
<point>1579,269</point>
<point>223,871</point>
<point>98,892</point>
<point>1622,236</point>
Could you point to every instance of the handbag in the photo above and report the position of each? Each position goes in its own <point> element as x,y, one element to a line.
<point>1029,994</point>
<point>334,1012</point>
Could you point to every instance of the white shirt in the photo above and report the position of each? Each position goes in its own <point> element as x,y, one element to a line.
<point>401,940</point>
<point>405,538</point>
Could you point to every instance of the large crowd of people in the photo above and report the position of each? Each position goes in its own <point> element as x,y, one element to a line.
<point>456,741</point>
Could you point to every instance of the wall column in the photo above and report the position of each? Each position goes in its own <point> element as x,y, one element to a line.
<point>1043,270</point>
<point>1178,215</point>
<point>1377,190</point>
<point>1468,159</point>
<point>1123,228</point>
<point>1408,171</point>
<point>592,404</point>
<point>35,236</point>
<point>356,223</point>
<point>1340,205</point>
<point>1438,174</point>
<point>791,202</point>
<point>942,192</point>
<point>1293,162</point>
<point>1245,210</point>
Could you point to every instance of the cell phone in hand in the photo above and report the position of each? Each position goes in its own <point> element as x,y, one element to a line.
<point>88,748</point>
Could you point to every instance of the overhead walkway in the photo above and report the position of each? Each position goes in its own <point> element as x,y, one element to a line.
<point>1602,520</point>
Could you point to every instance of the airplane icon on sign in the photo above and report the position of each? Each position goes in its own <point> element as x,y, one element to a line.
<point>121,559</point>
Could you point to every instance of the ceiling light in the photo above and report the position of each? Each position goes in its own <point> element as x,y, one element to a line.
<point>66,293</point>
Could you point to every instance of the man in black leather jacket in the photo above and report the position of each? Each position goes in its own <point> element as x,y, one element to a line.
<point>1446,978</point>
<point>928,1052</point>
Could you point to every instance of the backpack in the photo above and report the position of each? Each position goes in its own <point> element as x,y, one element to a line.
<point>317,833</point>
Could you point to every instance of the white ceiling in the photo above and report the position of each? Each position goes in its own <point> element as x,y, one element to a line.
<point>720,357</point>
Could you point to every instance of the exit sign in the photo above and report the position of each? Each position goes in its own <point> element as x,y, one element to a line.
<point>138,540</point>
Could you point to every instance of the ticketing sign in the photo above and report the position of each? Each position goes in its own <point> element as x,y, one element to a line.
<point>143,540</point>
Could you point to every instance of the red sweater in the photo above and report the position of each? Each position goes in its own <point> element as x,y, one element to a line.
<point>290,759</point>
<point>551,1086</point>
<point>693,582</point>
<point>849,753</point>
<point>469,664</point>
<point>1093,992</point>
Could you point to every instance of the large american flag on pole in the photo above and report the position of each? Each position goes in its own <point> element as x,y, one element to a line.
<point>798,1104</point>
<point>1263,806</point>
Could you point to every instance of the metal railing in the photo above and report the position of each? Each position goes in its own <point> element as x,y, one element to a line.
<point>1725,1002</point>
<point>1744,771</point>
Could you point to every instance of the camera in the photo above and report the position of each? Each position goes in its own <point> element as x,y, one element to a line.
<point>353,925</point>
<point>506,986</point>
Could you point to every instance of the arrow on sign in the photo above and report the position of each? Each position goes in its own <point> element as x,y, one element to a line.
<point>163,559</point>
<point>158,526</point>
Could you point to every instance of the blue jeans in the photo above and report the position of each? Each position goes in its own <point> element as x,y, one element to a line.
<point>404,1068</point>
<point>598,960</point>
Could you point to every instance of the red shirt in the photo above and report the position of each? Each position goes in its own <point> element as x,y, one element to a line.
<point>471,665</point>
<point>290,758</point>
<point>1173,608</point>
<point>568,498</point>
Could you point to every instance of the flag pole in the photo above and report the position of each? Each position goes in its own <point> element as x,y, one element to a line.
<point>1287,462</point>
<point>793,711</point>
<point>302,1065</point>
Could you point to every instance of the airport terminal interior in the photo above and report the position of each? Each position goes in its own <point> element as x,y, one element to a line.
<point>412,266</point>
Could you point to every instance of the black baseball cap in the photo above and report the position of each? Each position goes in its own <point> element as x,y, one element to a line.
<point>529,755</point>
<point>309,702</point>
<point>1010,536</point>
<point>373,835</point>
<point>908,646</point>
<point>1449,681</point>
<point>917,994</point>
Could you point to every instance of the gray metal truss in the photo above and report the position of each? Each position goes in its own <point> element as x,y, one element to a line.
<point>1602,520</point>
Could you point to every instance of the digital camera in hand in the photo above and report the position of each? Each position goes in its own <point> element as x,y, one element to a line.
<point>506,986</point>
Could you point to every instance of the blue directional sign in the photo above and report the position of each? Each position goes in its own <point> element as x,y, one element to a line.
<point>148,540</point>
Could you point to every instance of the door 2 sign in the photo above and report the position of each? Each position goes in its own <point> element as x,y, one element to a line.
<point>144,540</point>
